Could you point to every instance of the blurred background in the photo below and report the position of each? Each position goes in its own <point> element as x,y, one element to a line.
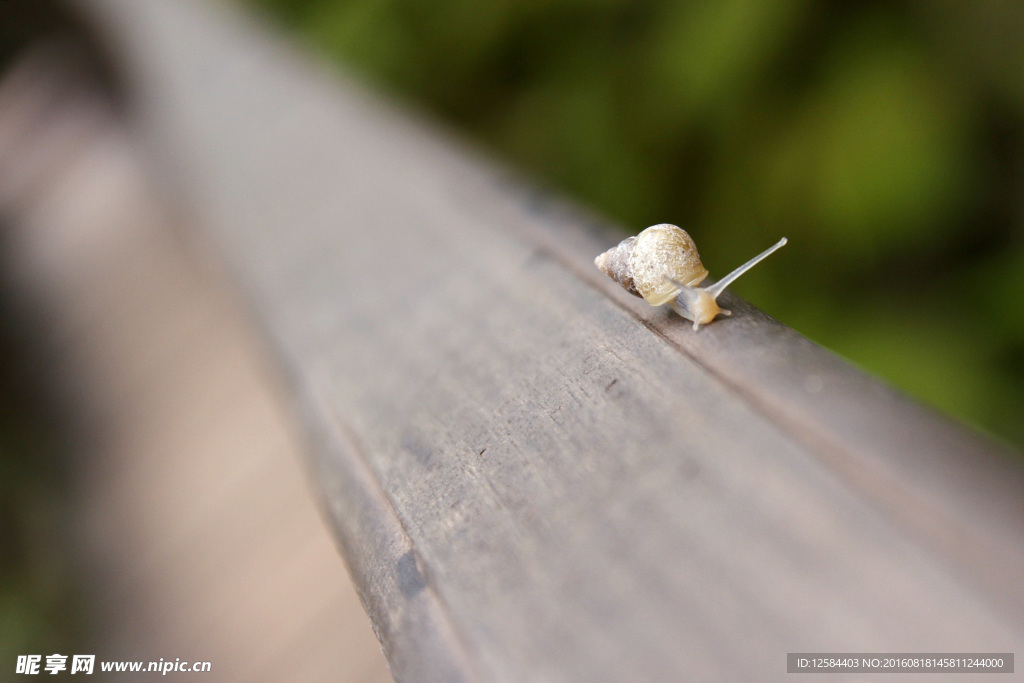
<point>885,139</point>
<point>153,500</point>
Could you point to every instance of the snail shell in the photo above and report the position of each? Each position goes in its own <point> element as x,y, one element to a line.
<point>615,264</point>
<point>648,264</point>
<point>661,265</point>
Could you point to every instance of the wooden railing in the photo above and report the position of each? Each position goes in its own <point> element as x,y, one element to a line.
<point>531,475</point>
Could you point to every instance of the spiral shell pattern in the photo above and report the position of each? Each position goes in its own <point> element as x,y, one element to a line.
<point>641,264</point>
<point>615,264</point>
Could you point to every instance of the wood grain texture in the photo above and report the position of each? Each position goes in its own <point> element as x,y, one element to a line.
<point>532,475</point>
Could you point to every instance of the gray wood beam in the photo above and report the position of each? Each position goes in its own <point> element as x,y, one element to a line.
<point>532,475</point>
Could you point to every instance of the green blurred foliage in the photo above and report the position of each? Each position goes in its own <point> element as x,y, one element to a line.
<point>885,139</point>
<point>39,602</point>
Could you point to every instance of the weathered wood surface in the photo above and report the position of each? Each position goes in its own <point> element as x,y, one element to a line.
<point>533,476</point>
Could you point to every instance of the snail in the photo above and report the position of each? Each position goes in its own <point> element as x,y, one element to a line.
<point>661,265</point>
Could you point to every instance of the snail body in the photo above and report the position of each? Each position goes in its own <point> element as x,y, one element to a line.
<point>662,265</point>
